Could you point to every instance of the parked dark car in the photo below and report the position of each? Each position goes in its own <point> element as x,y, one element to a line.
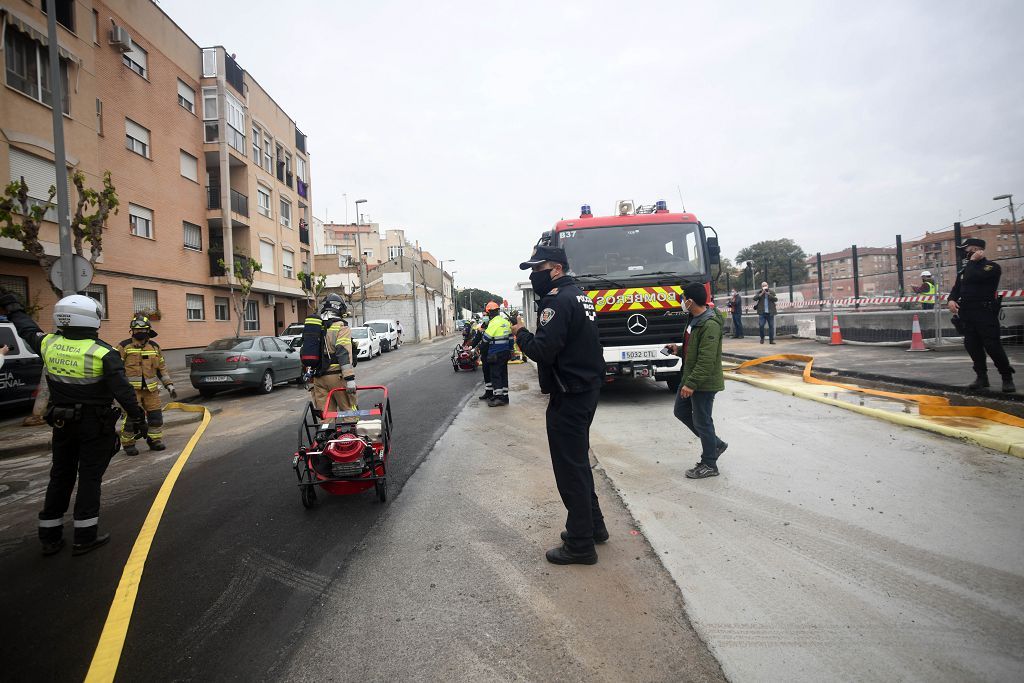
<point>251,362</point>
<point>19,376</point>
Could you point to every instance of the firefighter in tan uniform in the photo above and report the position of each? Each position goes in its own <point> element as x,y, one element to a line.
<point>329,359</point>
<point>144,365</point>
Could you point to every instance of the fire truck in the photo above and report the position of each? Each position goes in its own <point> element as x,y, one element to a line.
<point>634,265</point>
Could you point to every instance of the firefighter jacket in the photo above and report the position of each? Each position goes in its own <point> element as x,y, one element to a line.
<point>498,335</point>
<point>338,342</point>
<point>143,364</point>
<point>566,346</point>
<point>80,368</point>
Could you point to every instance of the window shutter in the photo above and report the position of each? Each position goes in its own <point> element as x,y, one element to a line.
<point>136,131</point>
<point>189,166</point>
<point>139,56</point>
<point>40,174</point>
<point>187,92</point>
<point>141,212</point>
<point>267,256</point>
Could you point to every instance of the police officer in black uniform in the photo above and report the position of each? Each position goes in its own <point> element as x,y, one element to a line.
<point>570,364</point>
<point>85,375</point>
<point>973,300</point>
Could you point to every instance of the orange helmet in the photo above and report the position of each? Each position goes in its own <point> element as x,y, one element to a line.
<point>491,306</point>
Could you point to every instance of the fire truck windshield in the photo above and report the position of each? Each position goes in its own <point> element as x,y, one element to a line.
<point>635,250</point>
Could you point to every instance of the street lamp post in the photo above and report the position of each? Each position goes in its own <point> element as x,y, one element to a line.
<point>1013,218</point>
<point>362,263</point>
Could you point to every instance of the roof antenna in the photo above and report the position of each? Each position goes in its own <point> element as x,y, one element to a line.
<point>681,202</point>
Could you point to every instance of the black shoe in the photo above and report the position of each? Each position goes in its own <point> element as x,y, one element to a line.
<point>1008,385</point>
<point>495,401</point>
<point>83,548</point>
<point>562,555</point>
<point>131,450</point>
<point>772,341</point>
<point>487,395</point>
<point>52,547</point>
<point>702,471</point>
<point>156,445</point>
<point>762,340</point>
<point>980,382</point>
<point>599,536</point>
<point>721,449</point>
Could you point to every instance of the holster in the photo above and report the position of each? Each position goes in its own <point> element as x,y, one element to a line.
<point>58,416</point>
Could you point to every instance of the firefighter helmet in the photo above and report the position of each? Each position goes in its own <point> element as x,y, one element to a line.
<point>78,310</point>
<point>333,307</point>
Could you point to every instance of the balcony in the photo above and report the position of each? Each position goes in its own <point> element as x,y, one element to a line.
<point>303,189</point>
<point>216,269</point>
<point>303,232</point>
<point>239,202</point>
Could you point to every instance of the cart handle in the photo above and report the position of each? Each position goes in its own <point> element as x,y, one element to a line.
<point>330,415</point>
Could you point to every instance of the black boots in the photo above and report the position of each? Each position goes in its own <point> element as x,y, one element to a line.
<point>87,546</point>
<point>562,555</point>
<point>1008,385</point>
<point>487,395</point>
<point>980,382</point>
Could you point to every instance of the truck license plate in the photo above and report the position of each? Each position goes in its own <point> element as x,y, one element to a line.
<point>634,355</point>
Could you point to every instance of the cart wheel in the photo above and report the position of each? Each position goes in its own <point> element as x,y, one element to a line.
<point>382,489</point>
<point>308,496</point>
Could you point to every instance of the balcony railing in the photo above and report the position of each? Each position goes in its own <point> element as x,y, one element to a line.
<point>303,233</point>
<point>239,202</point>
<point>216,269</point>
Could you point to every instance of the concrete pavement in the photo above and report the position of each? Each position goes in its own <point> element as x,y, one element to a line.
<point>833,546</point>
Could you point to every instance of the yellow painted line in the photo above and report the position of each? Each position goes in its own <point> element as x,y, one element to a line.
<point>115,629</point>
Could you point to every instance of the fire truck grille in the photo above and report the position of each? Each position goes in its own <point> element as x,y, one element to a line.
<point>657,328</point>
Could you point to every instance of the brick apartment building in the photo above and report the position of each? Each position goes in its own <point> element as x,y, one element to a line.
<point>205,163</point>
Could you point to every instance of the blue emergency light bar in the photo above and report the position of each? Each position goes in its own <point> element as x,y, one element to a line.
<point>585,210</point>
<point>661,205</point>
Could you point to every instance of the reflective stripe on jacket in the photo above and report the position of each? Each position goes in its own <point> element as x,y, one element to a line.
<point>498,335</point>
<point>73,361</point>
<point>144,365</point>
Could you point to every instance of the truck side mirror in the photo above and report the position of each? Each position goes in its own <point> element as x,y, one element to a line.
<point>714,251</point>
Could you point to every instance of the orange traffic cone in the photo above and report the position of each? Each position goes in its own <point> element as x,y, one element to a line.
<point>837,337</point>
<point>916,339</point>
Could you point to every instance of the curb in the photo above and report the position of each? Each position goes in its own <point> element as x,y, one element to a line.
<point>996,444</point>
<point>890,379</point>
<point>44,446</point>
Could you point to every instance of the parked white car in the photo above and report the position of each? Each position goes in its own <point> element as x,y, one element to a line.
<point>367,342</point>
<point>387,332</point>
<point>291,333</point>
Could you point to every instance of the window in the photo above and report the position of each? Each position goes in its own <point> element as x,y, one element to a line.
<point>286,213</point>
<point>211,134</point>
<point>288,263</point>
<point>193,236</point>
<point>268,146</point>
<point>99,116</point>
<point>221,308</point>
<point>144,300</point>
<point>186,97</point>
<point>16,285</point>
<point>209,62</point>
<point>263,201</point>
<point>136,138</point>
<point>252,316</point>
<point>39,174</point>
<point>189,166</point>
<point>267,256</point>
<point>96,27</point>
<point>234,116</point>
<point>257,146</point>
<point>65,13</point>
<point>395,252</point>
<point>300,168</point>
<point>194,307</point>
<point>28,69</point>
<point>141,220</point>
<point>305,261</point>
<point>368,253</point>
<point>331,249</point>
<point>136,59</point>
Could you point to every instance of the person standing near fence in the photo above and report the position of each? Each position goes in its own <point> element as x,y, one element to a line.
<point>973,300</point>
<point>735,307</point>
<point>764,304</point>
<point>928,288</point>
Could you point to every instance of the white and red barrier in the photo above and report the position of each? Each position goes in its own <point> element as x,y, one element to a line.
<point>853,301</point>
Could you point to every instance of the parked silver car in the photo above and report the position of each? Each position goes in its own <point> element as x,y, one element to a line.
<point>253,362</point>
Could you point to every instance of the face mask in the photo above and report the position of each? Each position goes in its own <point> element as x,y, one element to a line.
<point>541,281</point>
<point>140,336</point>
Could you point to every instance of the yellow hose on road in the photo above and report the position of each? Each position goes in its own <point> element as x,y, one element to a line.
<point>108,651</point>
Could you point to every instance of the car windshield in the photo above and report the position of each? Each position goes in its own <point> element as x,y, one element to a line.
<point>231,344</point>
<point>379,328</point>
<point>294,328</point>
<point>296,343</point>
<point>635,250</point>
<point>359,333</point>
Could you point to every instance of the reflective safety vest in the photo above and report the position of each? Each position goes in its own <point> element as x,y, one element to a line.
<point>929,294</point>
<point>73,361</point>
<point>498,335</point>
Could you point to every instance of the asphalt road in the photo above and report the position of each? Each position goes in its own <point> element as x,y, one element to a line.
<point>237,563</point>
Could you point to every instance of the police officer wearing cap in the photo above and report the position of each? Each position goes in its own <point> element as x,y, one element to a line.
<point>570,364</point>
<point>973,300</point>
<point>85,375</point>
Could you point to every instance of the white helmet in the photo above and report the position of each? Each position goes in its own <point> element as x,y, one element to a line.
<point>926,273</point>
<point>78,310</point>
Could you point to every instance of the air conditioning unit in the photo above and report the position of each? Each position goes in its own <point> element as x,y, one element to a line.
<point>269,299</point>
<point>121,39</point>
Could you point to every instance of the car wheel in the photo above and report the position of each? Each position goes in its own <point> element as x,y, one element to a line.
<point>206,392</point>
<point>267,383</point>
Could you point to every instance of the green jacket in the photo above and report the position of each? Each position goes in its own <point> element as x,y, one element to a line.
<point>702,366</point>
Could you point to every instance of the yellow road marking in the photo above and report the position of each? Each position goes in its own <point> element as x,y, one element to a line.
<point>115,629</point>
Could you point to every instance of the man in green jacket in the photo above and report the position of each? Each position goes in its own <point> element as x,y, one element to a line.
<point>702,378</point>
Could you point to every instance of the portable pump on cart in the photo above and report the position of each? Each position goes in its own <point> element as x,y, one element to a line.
<point>464,358</point>
<point>342,457</point>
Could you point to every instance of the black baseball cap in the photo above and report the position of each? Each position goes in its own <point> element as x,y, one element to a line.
<point>542,253</point>
<point>973,242</point>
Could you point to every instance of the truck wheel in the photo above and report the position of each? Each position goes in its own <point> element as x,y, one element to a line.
<point>673,383</point>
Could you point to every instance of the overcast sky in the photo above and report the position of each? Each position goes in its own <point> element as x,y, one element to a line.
<point>475,125</point>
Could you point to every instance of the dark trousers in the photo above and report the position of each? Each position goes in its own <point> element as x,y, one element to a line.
<point>568,419</point>
<point>695,413</point>
<point>737,325</point>
<point>981,336</point>
<point>81,450</point>
<point>766,319</point>
<point>498,375</point>
<point>487,373</point>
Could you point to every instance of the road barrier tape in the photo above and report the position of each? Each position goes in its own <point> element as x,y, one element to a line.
<point>108,651</point>
<point>928,406</point>
<point>862,301</point>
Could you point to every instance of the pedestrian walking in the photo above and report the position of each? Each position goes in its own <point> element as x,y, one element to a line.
<point>764,304</point>
<point>735,307</point>
<point>85,375</point>
<point>570,367</point>
<point>398,333</point>
<point>975,309</point>
<point>928,288</point>
<point>702,379</point>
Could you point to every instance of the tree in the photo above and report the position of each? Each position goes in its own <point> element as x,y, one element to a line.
<point>775,255</point>
<point>245,270</point>
<point>475,299</point>
<point>313,284</point>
